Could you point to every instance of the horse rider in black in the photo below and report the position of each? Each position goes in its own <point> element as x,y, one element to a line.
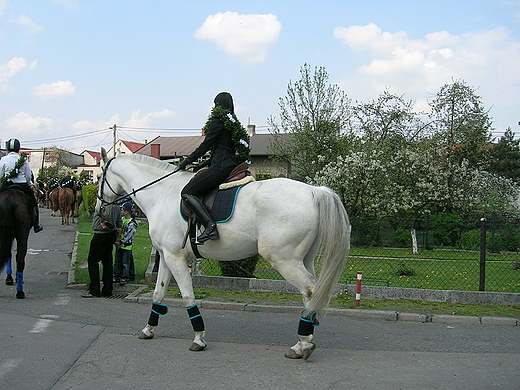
<point>15,170</point>
<point>69,182</point>
<point>224,139</point>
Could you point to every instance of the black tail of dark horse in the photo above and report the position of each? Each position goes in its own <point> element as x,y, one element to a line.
<point>7,220</point>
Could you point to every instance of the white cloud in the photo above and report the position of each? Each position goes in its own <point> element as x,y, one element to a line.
<point>58,88</point>
<point>23,124</point>
<point>27,23</point>
<point>245,36</point>
<point>14,66</point>
<point>138,119</point>
<point>487,59</point>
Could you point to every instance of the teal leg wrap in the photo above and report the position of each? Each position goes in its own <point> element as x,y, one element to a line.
<point>196,318</point>
<point>158,309</point>
<point>307,324</point>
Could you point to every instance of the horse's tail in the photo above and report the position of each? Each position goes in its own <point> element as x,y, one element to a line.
<point>334,236</point>
<point>7,218</point>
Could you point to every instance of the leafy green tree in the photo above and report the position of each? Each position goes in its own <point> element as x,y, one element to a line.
<point>505,156</point>
<point>313,119</point>
<point>389,121</point>
<point>462,125</point>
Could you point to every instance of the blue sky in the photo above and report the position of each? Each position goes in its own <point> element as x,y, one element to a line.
<point>70,69</point>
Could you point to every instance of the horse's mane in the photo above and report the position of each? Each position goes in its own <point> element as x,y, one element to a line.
<point>147,160</point>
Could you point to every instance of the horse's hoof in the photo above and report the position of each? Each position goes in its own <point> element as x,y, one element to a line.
<point>308,351</point>
<point>9,280</point>
<point>292,354</point>
<point>20,295</point>
<point>197,347</point>
<point>144,336</point>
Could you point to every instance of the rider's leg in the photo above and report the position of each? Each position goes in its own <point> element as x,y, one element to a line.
<point>195,205</point>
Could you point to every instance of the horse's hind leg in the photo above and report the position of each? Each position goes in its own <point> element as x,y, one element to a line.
<point>296,273</point>
<point>21,250</point>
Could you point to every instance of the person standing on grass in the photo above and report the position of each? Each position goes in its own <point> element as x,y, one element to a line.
<point>107,229</point>
<point>124,269</point>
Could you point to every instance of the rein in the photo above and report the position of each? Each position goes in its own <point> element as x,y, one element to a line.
<point>133,192</point>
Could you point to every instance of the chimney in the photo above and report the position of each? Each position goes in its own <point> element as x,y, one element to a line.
<point>155,151</point>
<point>251,130</point>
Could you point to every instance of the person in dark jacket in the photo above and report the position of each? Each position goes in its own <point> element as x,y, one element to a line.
<point>228,143</point>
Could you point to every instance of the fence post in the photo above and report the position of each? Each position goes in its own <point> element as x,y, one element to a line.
<point>358,289</point>
<point>482,283</point>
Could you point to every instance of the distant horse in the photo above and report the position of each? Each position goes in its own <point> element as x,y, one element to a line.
<point>66,202</point>
<point>77,204</point>
<point>283,220</point>
<point>40,192</point>
<point>16,220</point>
<point>54,203</point>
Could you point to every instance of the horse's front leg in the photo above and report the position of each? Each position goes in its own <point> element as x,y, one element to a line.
<point>163,281</point>
<point>9,273</point>
<point>182,275</point>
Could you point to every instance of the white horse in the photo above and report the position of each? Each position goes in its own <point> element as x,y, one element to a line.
<point>283,220</point>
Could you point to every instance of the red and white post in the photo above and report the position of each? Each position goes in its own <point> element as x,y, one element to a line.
<point>358,289</point>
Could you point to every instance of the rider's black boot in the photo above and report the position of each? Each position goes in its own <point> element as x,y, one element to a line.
<point>37,225</point>
<point>195,205</point>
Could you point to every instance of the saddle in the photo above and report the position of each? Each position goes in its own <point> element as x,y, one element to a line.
<point>219,202</point>
<point>239,176</point>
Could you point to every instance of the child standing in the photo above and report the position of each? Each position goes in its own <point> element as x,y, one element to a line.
<point>124,270</point>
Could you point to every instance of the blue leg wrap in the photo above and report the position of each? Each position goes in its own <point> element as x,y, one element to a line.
<point>158,309</point>
<point>19,281</point>
<point>196,318</point>
<point>8,268</point>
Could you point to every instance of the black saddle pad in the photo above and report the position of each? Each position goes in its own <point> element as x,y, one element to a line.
<point>223,206</point>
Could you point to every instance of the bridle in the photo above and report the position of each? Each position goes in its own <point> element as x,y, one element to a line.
<point>104,181</point>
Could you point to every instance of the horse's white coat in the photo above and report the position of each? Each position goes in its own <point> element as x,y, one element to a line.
<point>281,219</point>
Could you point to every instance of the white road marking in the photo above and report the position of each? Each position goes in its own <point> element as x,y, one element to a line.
<point>8,365</point>
<point>40,326</point>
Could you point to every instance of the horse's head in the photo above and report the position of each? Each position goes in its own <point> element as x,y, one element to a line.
<point>106,194</point>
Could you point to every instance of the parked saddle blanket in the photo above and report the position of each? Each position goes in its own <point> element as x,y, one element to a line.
<point>223,206</point>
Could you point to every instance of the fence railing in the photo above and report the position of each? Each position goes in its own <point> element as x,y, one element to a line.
<point>479,260</point>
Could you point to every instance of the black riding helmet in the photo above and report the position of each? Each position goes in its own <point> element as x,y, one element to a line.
<point>225,100</point>
<point>13,145</point>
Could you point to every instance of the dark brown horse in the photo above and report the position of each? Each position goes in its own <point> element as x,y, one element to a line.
<point>66,202</point>
<point>16,220</point>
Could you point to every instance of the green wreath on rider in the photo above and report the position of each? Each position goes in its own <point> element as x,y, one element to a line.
<point>238,133</point>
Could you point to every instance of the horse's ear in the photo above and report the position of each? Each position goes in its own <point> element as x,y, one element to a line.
<point>103,155</point>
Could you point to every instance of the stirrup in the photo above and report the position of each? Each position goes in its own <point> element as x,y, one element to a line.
<point>210,233</point>
<point>38,228</point>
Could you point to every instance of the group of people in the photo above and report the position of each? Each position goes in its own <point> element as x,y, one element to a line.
<point>113,226</point>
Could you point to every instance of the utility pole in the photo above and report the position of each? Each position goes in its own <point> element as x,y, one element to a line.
<point>115,135</point>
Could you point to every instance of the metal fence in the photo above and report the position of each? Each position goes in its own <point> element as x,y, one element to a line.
<point>450,256</point>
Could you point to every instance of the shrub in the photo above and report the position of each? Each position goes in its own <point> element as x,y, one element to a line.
<point>404,270</point>
<point>89,197</point>
<point>230,269</point>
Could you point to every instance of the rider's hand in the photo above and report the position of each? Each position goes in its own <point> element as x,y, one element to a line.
<point>184,163</point>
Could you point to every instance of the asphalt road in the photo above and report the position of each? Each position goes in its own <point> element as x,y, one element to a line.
<point>54,339</point>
